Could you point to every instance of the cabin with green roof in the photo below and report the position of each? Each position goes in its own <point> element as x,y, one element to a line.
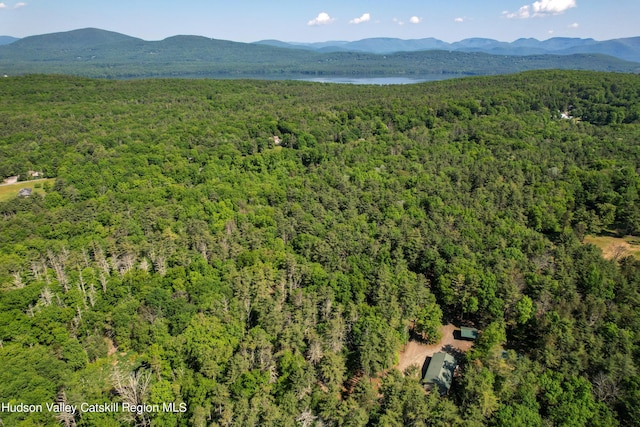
<point>440,372</point>
<point>467,333</point>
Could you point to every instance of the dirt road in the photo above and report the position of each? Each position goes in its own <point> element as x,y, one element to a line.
<point>415,353</point>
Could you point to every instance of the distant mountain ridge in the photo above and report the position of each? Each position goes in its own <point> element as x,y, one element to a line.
<point>7,40</point>
<point>88,37</point>
<point>623,48</point>
<point>93,52</point>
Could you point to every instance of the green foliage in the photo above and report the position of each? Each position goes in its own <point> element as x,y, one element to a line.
<point>376,342</point>
<point>273,285</point>
<point>209,344</point>
<point>429,321</point>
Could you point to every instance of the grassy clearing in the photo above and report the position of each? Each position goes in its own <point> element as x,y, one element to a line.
<point>10,191</point>
<point>616,247</point>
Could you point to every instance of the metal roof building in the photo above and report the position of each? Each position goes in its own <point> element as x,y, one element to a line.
<point>440,372</point>
<point>468,333</point>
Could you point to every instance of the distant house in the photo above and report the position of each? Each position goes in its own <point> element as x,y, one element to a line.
<point>11,180</point>
<point>25,192</point>
<point>440,372</point>
<point>467,333</point>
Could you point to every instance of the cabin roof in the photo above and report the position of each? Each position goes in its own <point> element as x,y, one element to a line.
<point>440,371</point>
<point>468,333</point>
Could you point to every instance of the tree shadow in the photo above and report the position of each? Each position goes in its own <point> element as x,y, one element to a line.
<point>458,354</point>
<point>414,336</point>
<point>425,366</point>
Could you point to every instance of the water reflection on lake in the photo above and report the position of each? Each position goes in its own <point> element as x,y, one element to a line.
<point>379,80</point>
<point>420,78</point>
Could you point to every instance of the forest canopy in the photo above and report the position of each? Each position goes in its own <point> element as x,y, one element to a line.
<point>259,252</point>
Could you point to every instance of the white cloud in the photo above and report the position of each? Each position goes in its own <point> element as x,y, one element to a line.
<point>415,20</point>
<point>398,21</point>
<point>15,6</point>
<point>541,8</point>
<point>366,17</point>
<point>553,7</point>
<point>522,13</point>
<point>323,18</point>
<point>574,25</point>
<point>459,20</point>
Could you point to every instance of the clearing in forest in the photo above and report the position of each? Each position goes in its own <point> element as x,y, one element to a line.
<point>415,353</point>
<point>616,247</point>
<point>9,191</point>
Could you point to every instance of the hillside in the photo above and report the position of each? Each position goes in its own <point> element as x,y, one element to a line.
<point>98,53</point>
<point>189,264</point>
<point>7,40</point>
<point>69,41</point>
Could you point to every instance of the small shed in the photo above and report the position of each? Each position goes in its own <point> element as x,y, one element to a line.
<point>440,372</point>
<point>467,333</point>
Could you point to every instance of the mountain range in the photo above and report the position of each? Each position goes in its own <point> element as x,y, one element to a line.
<point>624,48</point>
<point>98,53</point>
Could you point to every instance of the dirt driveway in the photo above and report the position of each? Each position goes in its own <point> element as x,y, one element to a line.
<point>415,353</point>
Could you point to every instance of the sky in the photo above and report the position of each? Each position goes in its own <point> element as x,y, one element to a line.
<point>314,20</point>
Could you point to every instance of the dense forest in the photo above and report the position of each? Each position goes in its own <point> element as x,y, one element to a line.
<point>258,253</point>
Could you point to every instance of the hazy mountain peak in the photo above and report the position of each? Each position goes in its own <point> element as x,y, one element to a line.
<point>76,38</point>
<point>7,40</point>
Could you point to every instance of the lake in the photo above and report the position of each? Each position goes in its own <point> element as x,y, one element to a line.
<point>379,80</point>
<point>395,80</point>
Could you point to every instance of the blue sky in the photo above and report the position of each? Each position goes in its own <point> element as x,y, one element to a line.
<point>313,20</point>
